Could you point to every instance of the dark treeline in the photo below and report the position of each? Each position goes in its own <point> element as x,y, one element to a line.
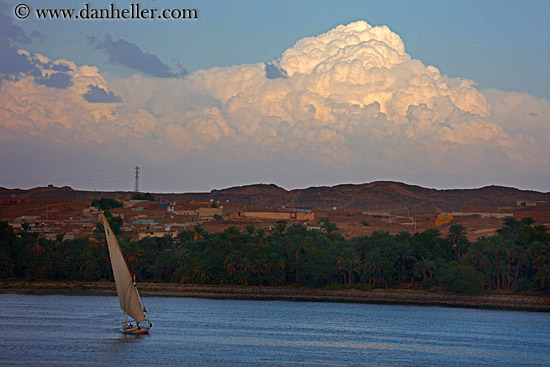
<point>516,259</point>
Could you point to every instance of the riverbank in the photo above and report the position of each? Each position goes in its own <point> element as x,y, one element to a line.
<point>379,296</point>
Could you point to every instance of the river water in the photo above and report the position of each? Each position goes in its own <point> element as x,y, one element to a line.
<point>69,330</point>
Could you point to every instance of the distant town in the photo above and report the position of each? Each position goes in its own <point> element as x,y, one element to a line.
<point>146,215</point>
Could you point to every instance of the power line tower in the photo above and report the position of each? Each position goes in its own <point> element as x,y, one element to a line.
<point>136,186</point>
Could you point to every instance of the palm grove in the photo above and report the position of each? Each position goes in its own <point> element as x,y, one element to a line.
<point>517,258</point>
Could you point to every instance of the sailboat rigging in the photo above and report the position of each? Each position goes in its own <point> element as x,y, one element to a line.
<point>128,295</point>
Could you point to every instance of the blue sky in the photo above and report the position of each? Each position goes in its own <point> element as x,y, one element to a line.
<point>502,46</point>
<point>499,44</point>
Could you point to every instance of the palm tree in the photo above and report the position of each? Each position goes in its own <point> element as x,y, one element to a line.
<point>457,236</point>
<point>250,230</point>
<point>427,244</point>
<point>202,272</point>
<point>260,234</point>
<point>348,262</point>
<point>329,228</point>
<point>541,253</point>
<point>404,251</point>
<point>274,261</point>
<point>497,246</point>
<point>274,266</point>
<point>182,262</point>
<point>280,228</point>
<point>199,232</point>
<point>165,267</point>
<point>296,243</point>
<point>131,249</point>
<point>87,263</point>
<point>231,264</point>
<point>37,259</point>
<point>425,268</point>
<point>7,267</point>
<point>35,247</point>
<point>373,264</point>
<point>476,254</point>
<point>245,268</point>
<point>543,277</point>
<point>255,235</point>
<point>232,236</point>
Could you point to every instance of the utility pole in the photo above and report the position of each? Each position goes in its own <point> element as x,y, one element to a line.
<point>136,186</point>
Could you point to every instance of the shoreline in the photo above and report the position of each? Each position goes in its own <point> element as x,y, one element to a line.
<point>375,296</point>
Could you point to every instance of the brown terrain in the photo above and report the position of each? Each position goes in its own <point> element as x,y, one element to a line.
<point>356,209</point>
<point>379,195</point>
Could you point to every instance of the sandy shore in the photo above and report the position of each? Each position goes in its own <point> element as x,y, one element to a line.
<point>409,297</point>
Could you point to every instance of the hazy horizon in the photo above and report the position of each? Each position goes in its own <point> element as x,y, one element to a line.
<point>269,184</point>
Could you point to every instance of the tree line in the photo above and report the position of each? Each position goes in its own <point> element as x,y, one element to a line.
<point>516,258</point>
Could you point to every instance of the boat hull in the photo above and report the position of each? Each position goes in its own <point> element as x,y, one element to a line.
<point>136,330</point>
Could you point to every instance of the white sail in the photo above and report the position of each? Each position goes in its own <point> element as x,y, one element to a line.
<point>127,291</point>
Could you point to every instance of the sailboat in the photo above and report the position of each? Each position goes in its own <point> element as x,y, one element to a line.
<point>126,287</point>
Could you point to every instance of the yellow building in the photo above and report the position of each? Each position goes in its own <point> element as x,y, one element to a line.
<point>442,219</point>
<point>279,215</point>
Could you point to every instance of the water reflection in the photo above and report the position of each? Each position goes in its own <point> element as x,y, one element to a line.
<point>195,332</point>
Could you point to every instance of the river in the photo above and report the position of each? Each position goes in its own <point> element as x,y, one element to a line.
<point>66,330</point>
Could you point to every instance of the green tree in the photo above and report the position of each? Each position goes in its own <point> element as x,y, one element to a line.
<point>330,228</point>
<point>231,264</point>
<point>424,268</point>
<point>280,228</point>
<point>202,271</point>
<point>540,253</point>
<point>106,203</point>
<point>38,262</point>
<point>81,260</point>
<point>296,243</point>
<point>7,250</point>
<point>115,223</point>
<point>140,196</point>
<point>404,253</point>
<point>348,263</point>
<point>543,277</point>
<point>477,257</point>
<point>87,263</point>
<point>373,265</point>
<point>461,279</point>
<point>199,232</point>
<point>497,246</point>
<point>457,236</point>
<point>274,265</point>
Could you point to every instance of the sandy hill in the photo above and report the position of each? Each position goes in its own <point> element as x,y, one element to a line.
<point>379,195</point>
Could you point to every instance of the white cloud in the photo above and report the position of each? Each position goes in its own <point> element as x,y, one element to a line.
<point>353,106</point>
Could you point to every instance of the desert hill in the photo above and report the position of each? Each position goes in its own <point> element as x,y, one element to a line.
<point>379,195</point>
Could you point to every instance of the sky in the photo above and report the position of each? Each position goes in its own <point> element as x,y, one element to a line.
<point>299,94</point>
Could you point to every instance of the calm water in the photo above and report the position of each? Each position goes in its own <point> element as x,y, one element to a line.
<point>84,330</point>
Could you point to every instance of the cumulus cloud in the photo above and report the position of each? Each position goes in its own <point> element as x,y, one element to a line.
<point>100,95</point>
<point>11,62</point>
<point>274,71</point>
<point>346,105</point>
<point>519,112</point>
<point>15,63</point>
<point>56,80</point>
<point>122,52</point>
